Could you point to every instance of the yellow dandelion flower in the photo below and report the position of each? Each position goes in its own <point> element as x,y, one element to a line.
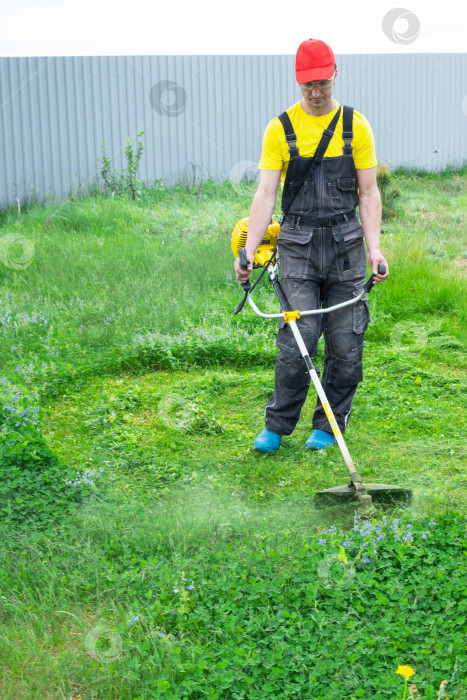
<point>405,671</point>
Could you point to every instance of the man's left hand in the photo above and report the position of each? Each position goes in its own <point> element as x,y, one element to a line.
<point>374,260</point>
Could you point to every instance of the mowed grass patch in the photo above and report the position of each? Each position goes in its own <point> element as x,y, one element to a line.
<point>153,430</point>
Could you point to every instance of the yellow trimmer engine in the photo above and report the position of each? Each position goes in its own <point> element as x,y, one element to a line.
<point>265,249</point>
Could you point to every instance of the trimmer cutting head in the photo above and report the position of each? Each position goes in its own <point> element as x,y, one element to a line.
<point>381,494</point>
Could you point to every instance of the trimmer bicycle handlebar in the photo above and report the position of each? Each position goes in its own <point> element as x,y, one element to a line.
<point>311,312</point>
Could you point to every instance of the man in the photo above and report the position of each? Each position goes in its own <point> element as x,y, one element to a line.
<point>320,245</point>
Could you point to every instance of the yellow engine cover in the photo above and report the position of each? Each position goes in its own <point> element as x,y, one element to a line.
<point>265,248</point>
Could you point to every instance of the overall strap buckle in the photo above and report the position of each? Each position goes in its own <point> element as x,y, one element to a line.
<point>295,222</point>
<point>347,133</point>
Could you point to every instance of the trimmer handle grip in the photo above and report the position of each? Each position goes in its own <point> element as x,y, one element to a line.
<point>371,280</point>
<point>243,258</point>
<point>246,285</point>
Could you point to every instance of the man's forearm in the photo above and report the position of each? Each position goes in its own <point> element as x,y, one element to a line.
<point>370,216</point>
<point>262,209</point>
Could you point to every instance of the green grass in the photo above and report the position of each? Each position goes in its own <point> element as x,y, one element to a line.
<point>121,332</point>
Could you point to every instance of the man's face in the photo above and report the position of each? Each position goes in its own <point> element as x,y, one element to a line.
<point>318,94</point>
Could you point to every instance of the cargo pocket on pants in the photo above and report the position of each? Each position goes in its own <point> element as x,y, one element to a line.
<point>344,373</point>
<point>360,317</point>
<point>357,258</point>
<point>294,258</point>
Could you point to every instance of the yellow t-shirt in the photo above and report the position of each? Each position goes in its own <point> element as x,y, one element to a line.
<point>308,130</point>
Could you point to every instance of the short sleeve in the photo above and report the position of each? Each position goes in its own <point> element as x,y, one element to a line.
<point>364,153</point>
<point>271,154</point>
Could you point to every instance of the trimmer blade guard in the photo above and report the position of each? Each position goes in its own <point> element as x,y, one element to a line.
<point>383,494</point>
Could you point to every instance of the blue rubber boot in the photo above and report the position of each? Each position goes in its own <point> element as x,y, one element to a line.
<point>319,439</point>
<point>267,441</point>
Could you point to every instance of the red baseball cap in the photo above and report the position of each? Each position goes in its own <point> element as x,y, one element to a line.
<point>315,60</point>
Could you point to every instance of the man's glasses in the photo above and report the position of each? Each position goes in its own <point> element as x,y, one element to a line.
<point>319,84</point>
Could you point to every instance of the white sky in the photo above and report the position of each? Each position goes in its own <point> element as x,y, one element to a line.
<point>141,27</point>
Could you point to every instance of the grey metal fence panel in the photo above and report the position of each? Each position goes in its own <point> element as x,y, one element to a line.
<point>202,115</point>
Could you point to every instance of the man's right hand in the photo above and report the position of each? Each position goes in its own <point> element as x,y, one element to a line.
<point>242,275</point>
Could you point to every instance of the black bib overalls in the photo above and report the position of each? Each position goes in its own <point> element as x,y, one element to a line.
<point>322,263</point>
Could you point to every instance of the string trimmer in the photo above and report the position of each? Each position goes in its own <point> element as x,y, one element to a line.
<point>265,257</point>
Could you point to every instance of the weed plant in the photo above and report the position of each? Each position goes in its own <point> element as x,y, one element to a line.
<point>126,181</point>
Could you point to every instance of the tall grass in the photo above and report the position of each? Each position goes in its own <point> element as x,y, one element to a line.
<point>107,268</point>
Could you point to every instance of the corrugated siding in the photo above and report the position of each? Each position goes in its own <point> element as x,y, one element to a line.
<point>56,112</point>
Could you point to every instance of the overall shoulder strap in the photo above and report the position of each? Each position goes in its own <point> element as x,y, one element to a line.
<point>325,139</point>
<point>290,136</point>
